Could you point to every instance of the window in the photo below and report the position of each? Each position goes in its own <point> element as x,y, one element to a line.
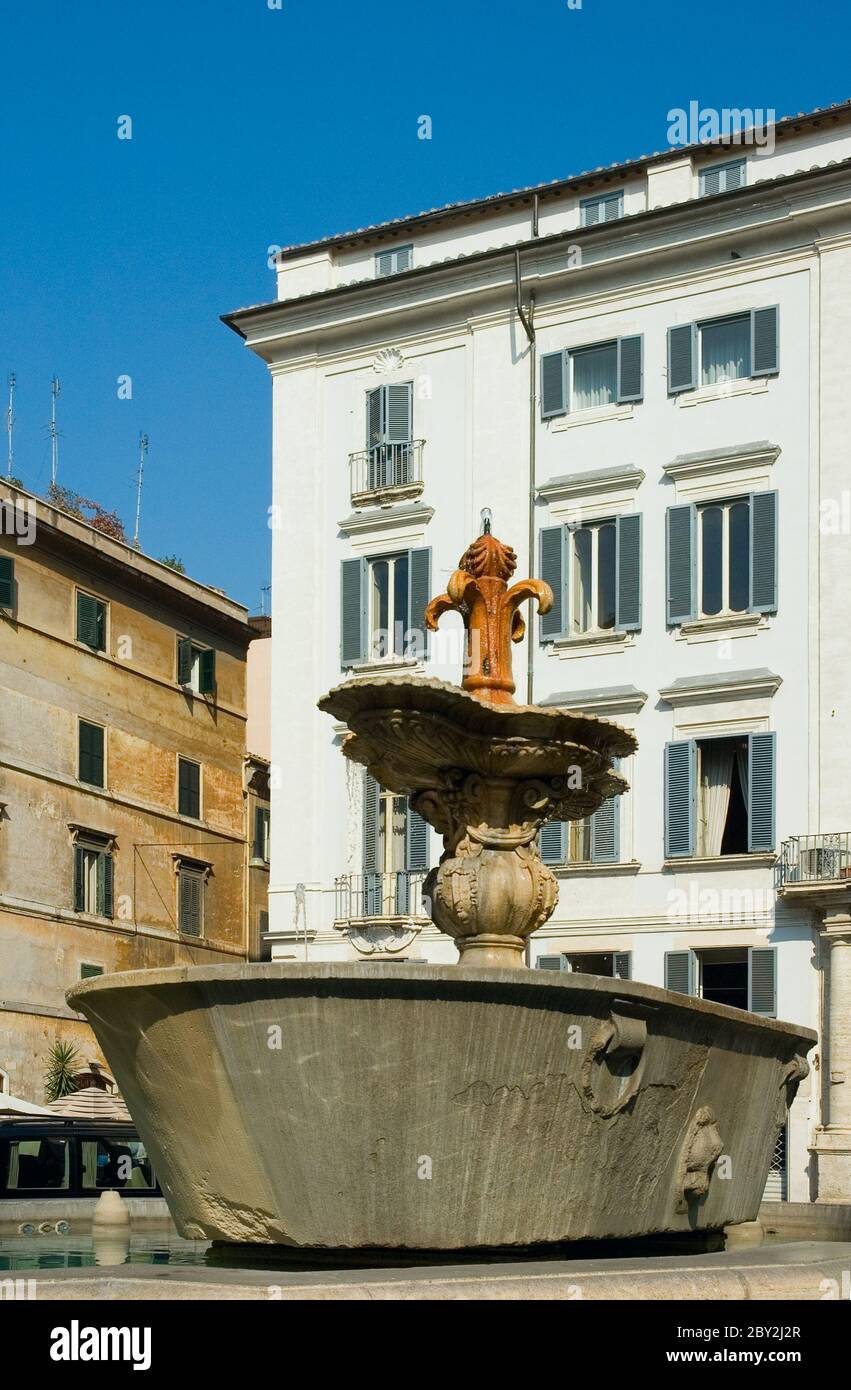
<point>594,572</point>
<point>93,875</point>
<point>91,754</point>
<point>196,667</point>
<point>191,885</point>
<point>719,796</point>
<point>741,977</point>
<point>722,178</point>
<point>716,351</point>
<point>90,972</point>
<point>395,847</point>
<point>91,622</point>
<point>722,558</point>
<point>7,581</point>
<point>389,262</point>
<point>260,848</point>
<point>189,788</point>
<point>383,601</point>
<point>605,207</point>
<point>612,965</point>
<point>587,378</point>
<point>593,840</point>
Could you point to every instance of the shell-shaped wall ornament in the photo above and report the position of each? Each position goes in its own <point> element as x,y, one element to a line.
<point>388,360</point>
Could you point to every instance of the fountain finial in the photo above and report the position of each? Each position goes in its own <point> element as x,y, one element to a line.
<point>479,591</point>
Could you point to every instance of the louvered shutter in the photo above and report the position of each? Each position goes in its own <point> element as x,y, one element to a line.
<point>765,346</point>
<point>550,963</point>
<point>681,972</point>
<point>91,761</point>
<point>419,593</point>
<point>553,570</point>
<point>79,879</point>
<point>710,182</point>
<point>90,623</point>
<point>762,980</point>
<point>680,795</point>
<point>605,829</point>
<point>374,417</point>
<point>613,207</point>
<point>207,671</point>
<point>682,358</point>
<point>184,661</point>
<point>261,824</point>
<point>371,847</point>
<point>628,572</point>
<point>404,258</point>
<point>763,557</point>
<point>681,562</point>
<point>398,412</point>
<point>353,611</point>
<point>553,384</point>
<point>761,791</point>
<point>188,788</point>
<point>191,890</point>
<point>416,842</point>
<point>591,210</point>
<point>631,368</point>
<point>104,885</point>
<point>623,965</point>
<point>383,263</point>
<point>552,841</point>
<point>735,176</point>
<point>7,581</point>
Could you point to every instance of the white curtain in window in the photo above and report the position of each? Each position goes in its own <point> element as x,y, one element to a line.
<point>716,769</point>
<point>726,350</point>
<point>595,377</point>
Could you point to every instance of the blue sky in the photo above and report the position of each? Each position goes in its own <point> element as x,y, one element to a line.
<point>254,125</point>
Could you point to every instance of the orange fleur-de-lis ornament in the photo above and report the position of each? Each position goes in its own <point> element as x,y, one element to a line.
<point>478,590</point>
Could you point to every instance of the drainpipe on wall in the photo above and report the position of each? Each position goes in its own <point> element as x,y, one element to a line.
<point>528,322</point>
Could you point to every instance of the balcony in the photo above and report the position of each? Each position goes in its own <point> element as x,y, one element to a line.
<point>386,473</point>
<point>377,897</point>
<point>815,866</point>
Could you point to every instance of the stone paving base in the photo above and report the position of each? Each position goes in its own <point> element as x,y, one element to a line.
<point>805,1270</point>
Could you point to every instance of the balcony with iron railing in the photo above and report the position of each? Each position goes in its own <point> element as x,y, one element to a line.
<point>815,865</point>
<point>379,897</point>
<point>386,473</point>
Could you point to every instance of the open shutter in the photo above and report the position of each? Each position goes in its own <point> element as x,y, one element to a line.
<point>7,581</point>
<point>761,790</point>
<point>630,368</point>
<point>623,965</point>
<point>628,573</point>
<point>371,847</point>
<point>207,671</point>
<point>762,980</point>
<point>374,417</point>
<point>682,358</point>
<point>104,878</point>
<point>681,971</point>
<point>261,824</point>
<point>681,562</point>
<point>90,621</point>
<point>553,384</point>
<point>398,413</point>
<point>763,559</point>
<point>353,622</point>
<point>765,346</point>
<point>416,842</point>
<point>419,593</point>
<point>184,661</point>
<point>79,883</point>
<point>680,794</point>
<point>91,764</point>
<point>553,570</point>
<point>551,963</point>
<point>605,829</point>
<point>552,841</point>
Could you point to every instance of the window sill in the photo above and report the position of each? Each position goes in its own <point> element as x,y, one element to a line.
<point>592,416</point>
<point>592,643</point>
<point>763,860</point>
<point>628,866</point>
<point>745,386</point>
<point>725,625</point>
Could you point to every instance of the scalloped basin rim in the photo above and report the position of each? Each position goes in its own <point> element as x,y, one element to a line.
<point>494,981</point>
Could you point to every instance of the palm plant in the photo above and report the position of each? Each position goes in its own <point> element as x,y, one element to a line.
<point>63,1062</point>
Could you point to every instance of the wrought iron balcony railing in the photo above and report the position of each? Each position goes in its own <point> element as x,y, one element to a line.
<point>360,896</point>
<point>386,472</point>
<point>815,859</point>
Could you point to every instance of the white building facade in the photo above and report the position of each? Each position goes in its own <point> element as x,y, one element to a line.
<point>643,374</point>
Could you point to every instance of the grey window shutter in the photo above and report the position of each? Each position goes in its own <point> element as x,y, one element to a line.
<point>383,263</point>
<point>710,182</point>
<point>605,829</point>
<point>735,175</point>
<point>91,760</point>
<point>79,880</point>
<point>628,572</point>
<point>765,346</point>
<point>188,788</point>
<point>184,661</point>
<point>763,552</point>
<point>631,368</point>
<point>419,593</point>
<point>416,842</point>
<point>553,570</point>
<point>681,971</point>
<point>682,358</point>
<point>90,621</point>
<point>681,562</point>
<point>680,795</point>
<point>191,891</point>
<point>552,841</point>
<point>590,212</point>
<point>7,581</point>
<point>398,412</point>
<point>104,881</point>
<point>551,963</point>
<point>762,980</point>
<point>623,965</point>
<point>207,672</point>
<point>374,417</point>
<point>553,384</point>
<point>371,848</point>
<point>261,821</point>
<point>404,257</point>
<point>761,791</point>
<point>353,620</point>
<point>613,207</point>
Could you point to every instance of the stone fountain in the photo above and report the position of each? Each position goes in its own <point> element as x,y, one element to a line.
<point>481,1105</point>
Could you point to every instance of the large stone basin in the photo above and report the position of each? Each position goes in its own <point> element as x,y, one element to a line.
<point>441,1107</point>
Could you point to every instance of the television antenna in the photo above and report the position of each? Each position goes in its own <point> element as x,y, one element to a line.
<point>54,433</point>
<point>143,449</point>
<point>10,420</point>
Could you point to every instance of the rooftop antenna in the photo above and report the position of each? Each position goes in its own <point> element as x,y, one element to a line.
<point>143,449</point>
<point>263,592</point>
<point>54,433</point>
<point>10,420</point>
